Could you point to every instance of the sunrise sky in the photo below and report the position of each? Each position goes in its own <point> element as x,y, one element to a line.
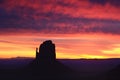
<point>79,28</point>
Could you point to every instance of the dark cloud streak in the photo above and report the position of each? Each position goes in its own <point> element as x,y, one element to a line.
<point>115,3</point>
<point>2,1</point>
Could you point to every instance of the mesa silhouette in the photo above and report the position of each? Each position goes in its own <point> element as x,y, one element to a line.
<point>44,67</point>
<point>46,63</point>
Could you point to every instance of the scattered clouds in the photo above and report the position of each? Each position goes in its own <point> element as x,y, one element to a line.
<point>58,16</point>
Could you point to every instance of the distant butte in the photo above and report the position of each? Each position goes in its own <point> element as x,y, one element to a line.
<point>45,62</point>
<point>46,52</point>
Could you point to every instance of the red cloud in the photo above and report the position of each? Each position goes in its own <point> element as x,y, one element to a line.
<point>56,16</point>
<point>73,8</point>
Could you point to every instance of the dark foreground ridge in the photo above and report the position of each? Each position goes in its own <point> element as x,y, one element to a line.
<point>114,74</point>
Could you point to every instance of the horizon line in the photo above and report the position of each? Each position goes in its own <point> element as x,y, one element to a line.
<point>60,58</point>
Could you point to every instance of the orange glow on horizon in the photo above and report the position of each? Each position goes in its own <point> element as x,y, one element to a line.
<point>79,28</point>
<point>68,46</point>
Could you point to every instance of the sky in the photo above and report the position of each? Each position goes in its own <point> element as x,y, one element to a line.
<point>79,28</point>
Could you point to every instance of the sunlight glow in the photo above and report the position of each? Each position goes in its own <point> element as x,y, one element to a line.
<point>113,51</point>
<point>68,46</point>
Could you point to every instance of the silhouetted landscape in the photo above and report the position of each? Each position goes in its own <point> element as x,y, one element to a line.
<point>45,67</point>
<point>59,39</point>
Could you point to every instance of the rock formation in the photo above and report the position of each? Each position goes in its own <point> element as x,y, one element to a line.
<point>46,52</point>
<point>45,62</point>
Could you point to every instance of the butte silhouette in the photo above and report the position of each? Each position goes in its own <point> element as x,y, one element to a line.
<point>46,63</point>
<point>46,53</point>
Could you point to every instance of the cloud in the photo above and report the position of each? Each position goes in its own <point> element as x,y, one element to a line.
<point>4,41</point>
<point>81,8</point>
<point>104,2</point>
<point>68,16</point>
<point>2,1</point>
